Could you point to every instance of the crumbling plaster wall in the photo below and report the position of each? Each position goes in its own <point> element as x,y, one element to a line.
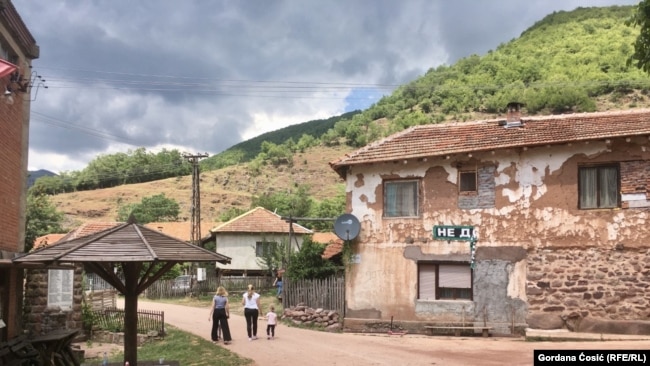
<point>536,206</point>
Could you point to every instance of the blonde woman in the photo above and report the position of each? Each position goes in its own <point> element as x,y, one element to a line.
<point>252,309</point>
<point>219,314</point>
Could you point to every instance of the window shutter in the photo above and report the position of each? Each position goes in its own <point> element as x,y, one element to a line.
<point>455,276</point>
<point>427,282</point>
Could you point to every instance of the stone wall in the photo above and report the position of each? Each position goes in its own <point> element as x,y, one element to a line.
<point>570,287</point>
<point>304,315</point>
<point>38,317</point>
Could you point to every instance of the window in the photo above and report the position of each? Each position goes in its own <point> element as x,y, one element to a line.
<point>598,186</point>
<point>264,248</point>
<point>401,198</point>
<point>442,281</point>
<point>467,181</point>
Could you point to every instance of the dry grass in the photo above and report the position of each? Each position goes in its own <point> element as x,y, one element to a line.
<point>221,190</point>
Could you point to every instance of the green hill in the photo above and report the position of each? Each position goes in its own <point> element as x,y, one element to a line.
<point>568,62</point>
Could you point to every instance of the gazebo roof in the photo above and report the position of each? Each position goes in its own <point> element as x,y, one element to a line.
<point>127,242</point>
<point>137,250</point>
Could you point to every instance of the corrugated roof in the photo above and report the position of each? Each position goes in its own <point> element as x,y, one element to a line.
<point>259,220</point>
<point>454,138</point>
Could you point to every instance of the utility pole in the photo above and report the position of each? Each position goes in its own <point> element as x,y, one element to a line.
<point>195,236</point>
<point>195,209</point>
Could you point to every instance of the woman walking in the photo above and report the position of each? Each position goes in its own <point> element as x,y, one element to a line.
<point>219,314</point>
<point>251,302</point>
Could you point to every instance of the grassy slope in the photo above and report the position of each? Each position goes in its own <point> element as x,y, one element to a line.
<point>220,189</point>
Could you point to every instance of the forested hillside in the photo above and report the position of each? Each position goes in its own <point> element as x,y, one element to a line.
<point>567,62</point>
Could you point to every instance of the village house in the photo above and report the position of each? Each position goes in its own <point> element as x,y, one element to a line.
<point>246,238</point>
<point>17,50</point>
<point>519,222</point>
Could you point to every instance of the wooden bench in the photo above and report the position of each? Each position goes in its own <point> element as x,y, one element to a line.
<point>485,331</point>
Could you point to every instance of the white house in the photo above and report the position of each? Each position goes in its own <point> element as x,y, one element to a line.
<point>246,237</point>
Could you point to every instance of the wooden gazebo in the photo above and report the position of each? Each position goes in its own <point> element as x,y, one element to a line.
<point>133,248</point>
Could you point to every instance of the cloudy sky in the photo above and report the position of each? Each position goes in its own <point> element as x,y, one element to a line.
<point>202,75</point>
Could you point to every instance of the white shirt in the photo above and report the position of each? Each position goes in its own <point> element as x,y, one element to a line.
<point>252,302</point>
<point>271,317</point>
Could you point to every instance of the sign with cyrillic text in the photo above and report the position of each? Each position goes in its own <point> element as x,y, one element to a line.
<point>451,232</point>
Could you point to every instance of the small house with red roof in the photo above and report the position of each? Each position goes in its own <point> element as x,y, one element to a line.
<point>246,238</point>
<point>539,222</point>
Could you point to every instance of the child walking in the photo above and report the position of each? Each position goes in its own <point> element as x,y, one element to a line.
<point>271,320</point>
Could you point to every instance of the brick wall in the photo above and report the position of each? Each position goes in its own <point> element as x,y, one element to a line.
<point>11,173</point>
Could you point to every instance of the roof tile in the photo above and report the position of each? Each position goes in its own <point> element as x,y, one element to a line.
<point>259,220</point>
<point>464,137</point>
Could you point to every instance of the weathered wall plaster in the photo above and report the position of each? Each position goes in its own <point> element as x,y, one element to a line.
<point>536,207</point>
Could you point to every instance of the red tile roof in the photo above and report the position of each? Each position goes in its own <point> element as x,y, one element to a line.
<point>464,137</point>
<point>259,220</point>
<point>46,240</point>
<point>89,228</point>
<point>334,244</point>
<point>181,230</point>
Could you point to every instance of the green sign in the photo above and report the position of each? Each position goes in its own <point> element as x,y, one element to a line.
<point>451,232</point>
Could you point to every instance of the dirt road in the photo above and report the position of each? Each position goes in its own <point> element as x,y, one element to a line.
<point>294,346</point>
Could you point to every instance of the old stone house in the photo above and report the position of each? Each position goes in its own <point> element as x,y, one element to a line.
<point>17,50</point>
<point>518,222</point>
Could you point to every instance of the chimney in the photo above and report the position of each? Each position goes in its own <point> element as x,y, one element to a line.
<point>160,228</point>
<point>514,112</point>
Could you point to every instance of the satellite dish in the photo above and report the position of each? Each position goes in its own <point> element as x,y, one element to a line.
<point>347,227</point>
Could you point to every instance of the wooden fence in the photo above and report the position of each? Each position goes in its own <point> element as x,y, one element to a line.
<point>327,293</point>
<point>162,289</point>
<point>102,299</point>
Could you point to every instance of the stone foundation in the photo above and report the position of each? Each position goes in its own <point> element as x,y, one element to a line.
<point>589,290</point>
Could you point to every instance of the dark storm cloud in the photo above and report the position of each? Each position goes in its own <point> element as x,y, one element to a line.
<point>204,75</point>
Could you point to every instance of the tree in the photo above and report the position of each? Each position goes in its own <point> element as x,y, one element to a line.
<point>42,218</point>
<point>297,204</point>
<point>151,209</point>
<point>641,18</point>
<point>308,263</point>
<point>274,256</point>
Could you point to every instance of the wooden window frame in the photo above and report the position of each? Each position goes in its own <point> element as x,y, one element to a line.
<point>467,173</point>
<point>387,212</point>
<point>599,169</point>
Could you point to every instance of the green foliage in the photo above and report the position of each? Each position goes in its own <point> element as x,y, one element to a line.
<point>111,170</point>
<point>327,208</point>
<point>230,214</point>
<point>88,317</point>
<point>641,18</point>
<point>247,150</point>
<point>307,263</point>
<point>274,256</point>
<point>294,204</point>
<point>42,218</point>
<point>157,208</point>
